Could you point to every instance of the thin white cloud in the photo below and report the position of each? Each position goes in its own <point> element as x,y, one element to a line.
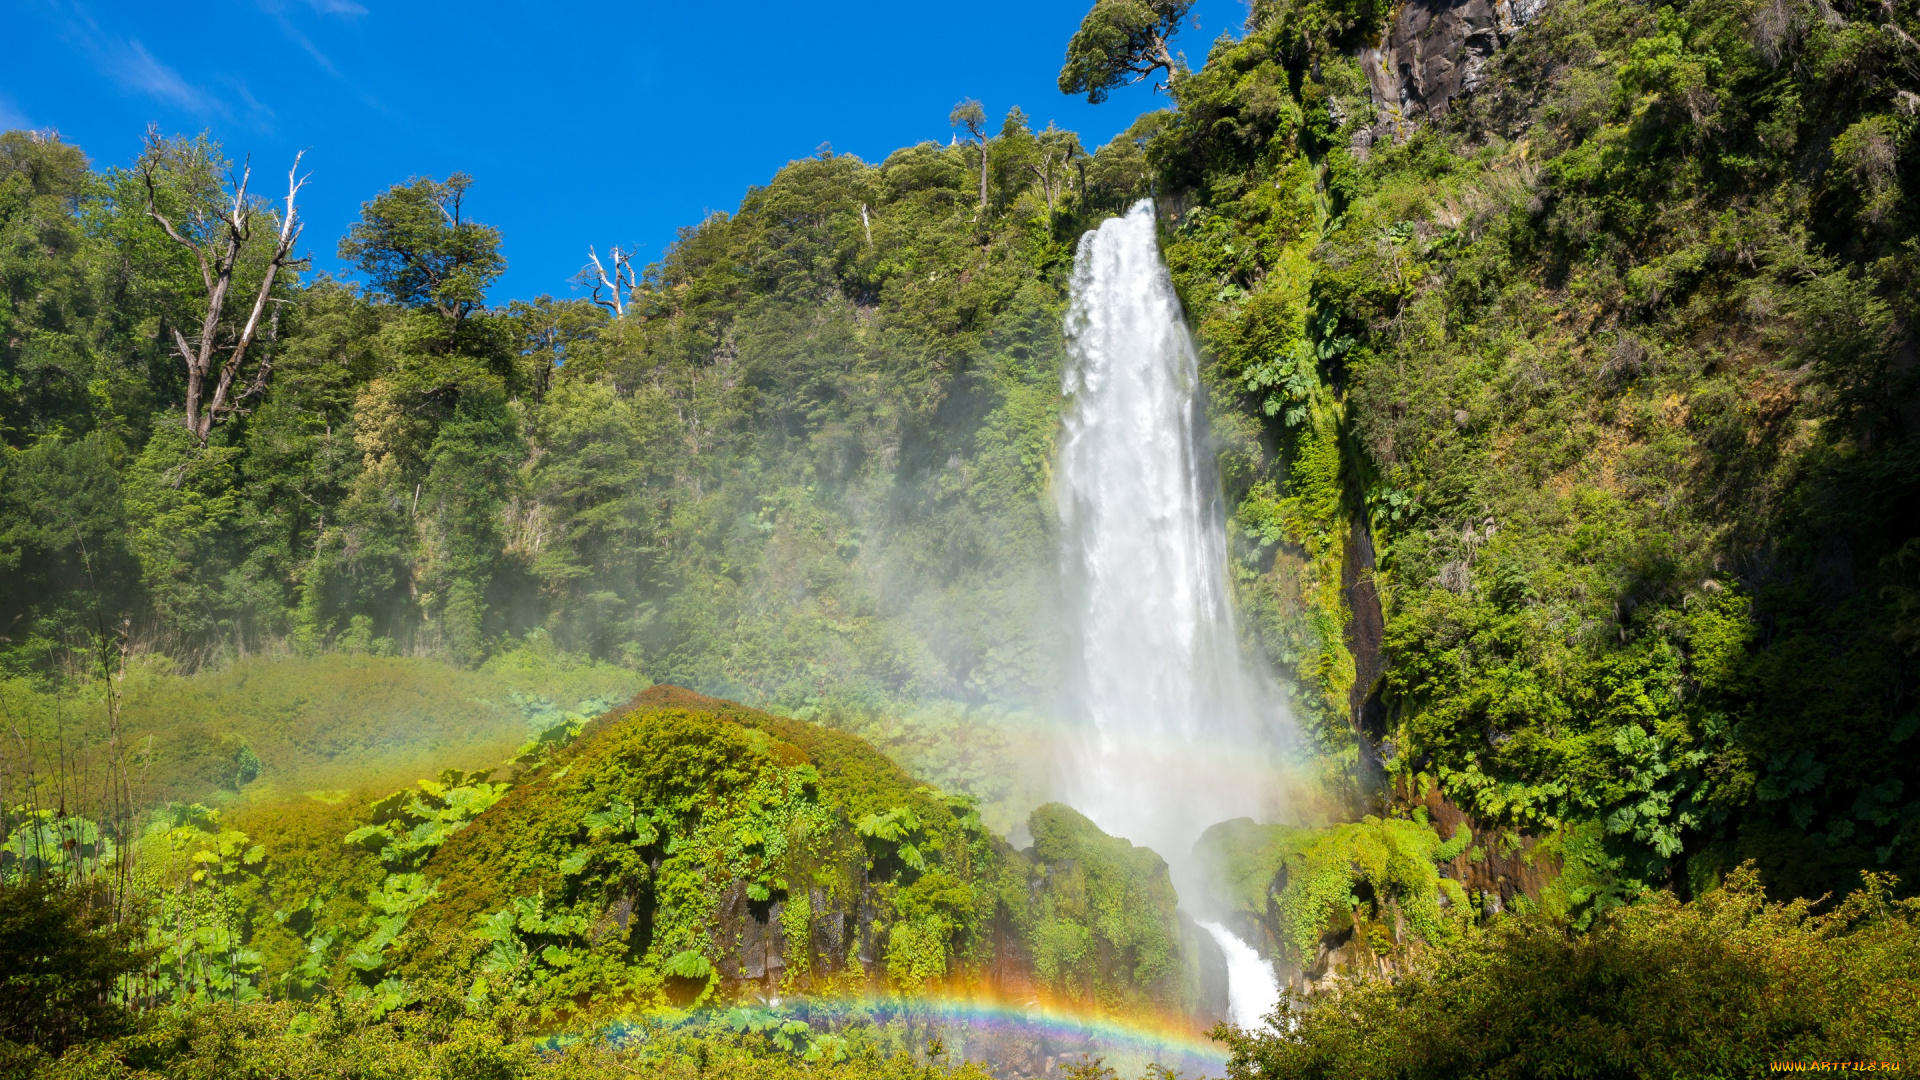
<point>127,62</point>
<point>11,118</point>
<point>132,66</point>
<point>278,10</point>
<point>259,114</point>
<point>294,35</point>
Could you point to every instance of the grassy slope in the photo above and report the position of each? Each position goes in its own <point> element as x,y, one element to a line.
<point>335,721</point>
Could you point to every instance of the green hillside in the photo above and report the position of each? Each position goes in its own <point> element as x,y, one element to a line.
<point>1599,381</point>
<point>1559,363</point>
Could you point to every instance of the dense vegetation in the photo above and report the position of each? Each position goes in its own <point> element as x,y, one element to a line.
<point>1612,365</point>
<point>1722,986</point>
<point>1726,986</point>
<point>1571,444</point>
<point>847,385</point>
<point>677,853</point>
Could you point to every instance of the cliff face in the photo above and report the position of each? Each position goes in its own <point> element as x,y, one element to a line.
<point>1433,52</point>
<point>1598,319</point>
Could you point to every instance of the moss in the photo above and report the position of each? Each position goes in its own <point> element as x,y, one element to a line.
<point>917,952</point>
<point>1103,922</point>
<point>707,784</point>
<point>796,932</point>
<point>1302,883</point>
<point>860,780</point>
<point>311,880</point>
<point>667,826</point>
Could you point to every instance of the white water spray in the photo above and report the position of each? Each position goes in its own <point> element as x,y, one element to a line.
<point>1253,990</point>
<point>1176,732</point>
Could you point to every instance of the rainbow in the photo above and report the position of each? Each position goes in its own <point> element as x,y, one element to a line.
<point>1030,1037</point>
<point>1127,1042</point>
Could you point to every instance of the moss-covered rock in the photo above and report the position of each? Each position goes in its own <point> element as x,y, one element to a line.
<point>1330,901</point>
<point>1102,925</point>
<point>683,846</point>
<point>684,849</point>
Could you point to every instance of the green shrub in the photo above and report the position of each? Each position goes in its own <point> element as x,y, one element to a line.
<point>1719,987</point>
<point>62,955</point>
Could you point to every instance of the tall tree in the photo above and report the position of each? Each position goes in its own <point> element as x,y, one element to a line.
<point>217,242</point>
<point>45,301</point>
<point>544,334</point>
<point>971,115</point>
<point>418,250</point>
<point>1057,150</point>
<point>1122,42</point>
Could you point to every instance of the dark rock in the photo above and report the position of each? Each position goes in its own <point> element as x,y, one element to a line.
<point>1210,971</point>
<point>1366,633</point>
<point>1434,51</point>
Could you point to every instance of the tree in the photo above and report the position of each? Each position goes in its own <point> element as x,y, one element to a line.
<point>45,298</point>
<point>1122,42</point>
<point>620,285</point>
<point>970,114</point>
<point>1057,151</point>
<point>217,246</point>
<point>418,250</point>
<point>545,333</point>
<point>470,475</point>
<point>63,542</point>
<point>183,501</point>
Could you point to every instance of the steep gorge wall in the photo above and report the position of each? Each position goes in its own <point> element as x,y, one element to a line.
<point>1594,322</point>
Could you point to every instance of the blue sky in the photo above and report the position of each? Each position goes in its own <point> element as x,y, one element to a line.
<point>590,123</point>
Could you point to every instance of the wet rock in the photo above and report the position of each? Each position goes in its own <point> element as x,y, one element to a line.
<point>1209,971</point>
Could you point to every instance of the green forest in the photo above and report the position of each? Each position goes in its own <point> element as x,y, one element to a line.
<point>659,680</point>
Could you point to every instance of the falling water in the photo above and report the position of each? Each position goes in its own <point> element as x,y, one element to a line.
<point>1176,730</point>
<point>1253,990</point>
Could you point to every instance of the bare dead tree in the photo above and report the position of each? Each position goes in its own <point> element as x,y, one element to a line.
<point>620,285</point>
<point>217,255</point>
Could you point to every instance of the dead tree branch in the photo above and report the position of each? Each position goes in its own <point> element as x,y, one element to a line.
<point>217,255</point>
<point>620,285</point>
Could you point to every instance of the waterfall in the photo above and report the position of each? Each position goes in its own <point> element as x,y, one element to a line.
<point>1174,731</point>
<point>1253,990</point>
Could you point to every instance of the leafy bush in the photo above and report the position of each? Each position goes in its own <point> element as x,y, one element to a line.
<point>338,1038</point>
<point>1722,986</point>
<point>63,953</point>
